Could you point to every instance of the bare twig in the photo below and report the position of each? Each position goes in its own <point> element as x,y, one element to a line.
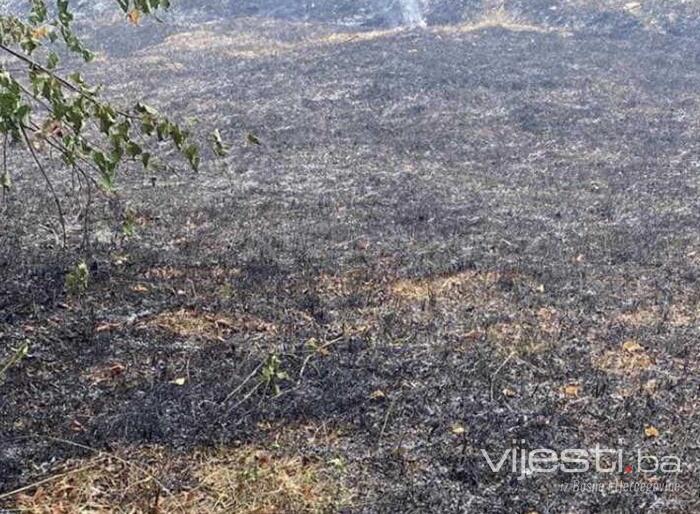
<point>34,485</point>
<point>245,398</point>
<point>240,386</point>
<point>4,165</point>
<point>386,420</point>
<point>61,217</point>
<point>316,350</point>
<point>493,377</point>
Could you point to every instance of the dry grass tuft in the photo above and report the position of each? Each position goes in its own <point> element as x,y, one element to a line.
<point>630,359</point>
<point>245,480</point>
<point>496,18</point>
<point>489,295</point>
<point>253,46</point>
<point>684,315</point>
<point>242,45</point>
<point>173,273</point>
<point>165,273</point>
<point>519,337</point>
<point>351,37</point>
<point>643,317</point>
<point>507,333</point>
<point>681,314</point>
<point>257,481</point>
<point>333,286</point>
<point>435,287</point>
<point>192,324</point>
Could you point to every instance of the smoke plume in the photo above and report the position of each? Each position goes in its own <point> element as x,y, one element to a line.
<point>413,12</point>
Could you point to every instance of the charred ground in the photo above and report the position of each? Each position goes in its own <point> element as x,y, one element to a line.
<point>452,239</point>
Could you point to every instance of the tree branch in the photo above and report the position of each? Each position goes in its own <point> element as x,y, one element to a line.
<point>61,217</point>
<point>38,66</point>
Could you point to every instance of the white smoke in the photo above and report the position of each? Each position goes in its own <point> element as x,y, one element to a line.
<point>413,12</point>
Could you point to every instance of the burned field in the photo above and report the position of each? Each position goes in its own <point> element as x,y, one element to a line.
<point>480,235</point>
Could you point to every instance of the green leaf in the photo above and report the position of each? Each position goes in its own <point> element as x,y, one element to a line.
<point>148,125</point>
<point>77,78</point>
<point>38,12</point>
<point>218,144</point>
<point>133,149</point>
<point>178,136</point>
<point>52,61</point>
<point>106,117</point>
<point>192,155</point>
<point>5,181</point>
<point>142,108</point>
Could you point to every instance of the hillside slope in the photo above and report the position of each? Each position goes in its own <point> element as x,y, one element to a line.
<point>481,235</point>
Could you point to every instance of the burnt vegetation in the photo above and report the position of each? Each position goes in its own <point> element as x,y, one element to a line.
<point>425,242</point>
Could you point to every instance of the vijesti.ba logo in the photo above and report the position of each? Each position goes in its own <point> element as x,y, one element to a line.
<point>525,463</point>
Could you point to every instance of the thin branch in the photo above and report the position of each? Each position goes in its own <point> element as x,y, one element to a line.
<point>61,217</point>
<point>386,421</point>
<point>245,398</point>
<point>35,485</point>
<point>240,386</point>
<point>31,62</point>
<point>33,96</point>
<point>4,168</point>
<point>493,377</point>
<point>38,66</point>
<point>56,143</point>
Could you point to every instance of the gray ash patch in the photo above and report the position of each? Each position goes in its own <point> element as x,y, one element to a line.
<point>494,228</point>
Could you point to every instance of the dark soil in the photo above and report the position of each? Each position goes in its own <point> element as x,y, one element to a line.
<point>497,229</point>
